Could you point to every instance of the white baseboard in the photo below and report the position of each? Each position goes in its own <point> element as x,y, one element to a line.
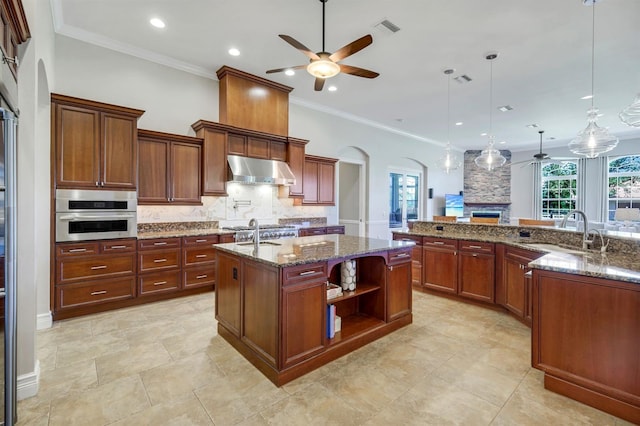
<point>44,321</point>
<point>28,383</point>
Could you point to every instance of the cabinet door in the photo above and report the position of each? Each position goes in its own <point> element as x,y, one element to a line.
<point>214,161</point>
<point>258,148</point>
<point>237,144</point>
<point>295,159</point>
<point>440,269</point>
<point>278,151</point>
<point>398,290</point>
<point>227,298</point>
<point>326,183</point>
<point>476,275</point>
<point>335,229</point>
<point>312,231</point>
<point>185,173</point>
<point>119,161</point>
<point>310,182</point>
<point>77,135</point>
<point>303,321</point>
<point>515,292</point>
<point>153,172</point>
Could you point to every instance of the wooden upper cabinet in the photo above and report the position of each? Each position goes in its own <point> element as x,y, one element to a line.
<point>278,150</point>
<point>95,144</point>
<point>258,147</point>
<point>214,157</point>
<point>237,144</point>
<point>14,30</point>
<point>169,168</point>
<point>318,184</point>
<point>295,159</point>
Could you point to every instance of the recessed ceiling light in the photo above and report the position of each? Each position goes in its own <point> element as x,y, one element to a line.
<point>505,108</point>
<point>483,134</point>
<point>290,72</point>
<point>157,22</point>
<point>332,88</point>
<point>586,97</point>
<point>459,123</point>
<point>533,126</point>
<point>503,142</point>
<point>234,52</point>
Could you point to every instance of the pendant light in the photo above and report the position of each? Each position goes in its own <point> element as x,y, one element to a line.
<point>490,158</point>
<point>449,161</point>
<point>631,114</point>
<point>593,140</point>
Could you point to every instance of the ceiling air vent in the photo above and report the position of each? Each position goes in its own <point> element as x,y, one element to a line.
<point>387,27</point>
<point>462,78</point>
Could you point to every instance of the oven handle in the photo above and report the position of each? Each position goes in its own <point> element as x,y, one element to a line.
<point>84,217</point>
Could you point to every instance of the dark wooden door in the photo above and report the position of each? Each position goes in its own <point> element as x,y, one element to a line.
<point>119,164</point>
<point>514,285</point>
<point>476,275</point>
<point>153,170</point>
<point>440,264</point>
<point>295,158</point>
<point>310,182</point>
<point>228,303</point>
<point>185,173</point>
<point>398,290</point>
<point>326,184</point>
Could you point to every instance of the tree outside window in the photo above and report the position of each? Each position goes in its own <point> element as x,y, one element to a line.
<point>624,183</point>
<point>559,188</point>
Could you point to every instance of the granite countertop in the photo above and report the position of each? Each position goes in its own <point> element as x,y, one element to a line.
<point>621,266</point>
<point>146,235</point>
<point>298,251</point>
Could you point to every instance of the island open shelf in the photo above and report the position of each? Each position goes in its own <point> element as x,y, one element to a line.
<point>272,306</point>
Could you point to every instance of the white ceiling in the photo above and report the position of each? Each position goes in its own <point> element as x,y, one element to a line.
<point>543,68</point>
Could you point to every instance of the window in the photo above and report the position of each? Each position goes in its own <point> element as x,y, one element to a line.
<point>559,187</point>
<point>404,190</point>
<point>624,183</point>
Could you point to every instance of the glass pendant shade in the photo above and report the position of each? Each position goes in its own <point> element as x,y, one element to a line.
<point>593,140</point>
<point>631,114</point>
<point>449,161</point>
<point>490,158</point>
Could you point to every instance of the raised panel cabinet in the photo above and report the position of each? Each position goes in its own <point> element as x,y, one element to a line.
<point>169,168</point>
<point>399,297</point>
<point>416,257</point>
<point>476,270</point>
<point>95,144</point>
<point>440,263</point>
<point>295,159</point>
<point>318,184</point>
<point>214,157</point>
<point>514,288</point>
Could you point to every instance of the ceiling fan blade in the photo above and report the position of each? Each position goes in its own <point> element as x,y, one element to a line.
<point>351,48</point>
<point>297,67</point>
<point>319,84</point>
<point>359,72</point>
<point>301,47</point>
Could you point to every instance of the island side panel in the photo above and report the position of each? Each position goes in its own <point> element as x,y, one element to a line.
<point>228,292</point>
<point>260,312</point>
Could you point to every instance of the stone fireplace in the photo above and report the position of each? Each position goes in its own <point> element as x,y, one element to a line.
<point>487,191</point>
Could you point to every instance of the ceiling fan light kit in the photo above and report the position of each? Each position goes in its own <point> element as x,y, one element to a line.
<point>490,158</point>
<point>325,65</point>
<point>593,140</point>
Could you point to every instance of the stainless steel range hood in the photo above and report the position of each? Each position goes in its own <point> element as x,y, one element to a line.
<point>255,171</point>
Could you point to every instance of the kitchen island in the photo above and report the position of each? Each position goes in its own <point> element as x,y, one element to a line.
<point>271,301</point>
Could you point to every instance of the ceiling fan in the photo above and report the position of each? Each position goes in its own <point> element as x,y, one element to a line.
<point>541,156</point>
<point>323,65</point>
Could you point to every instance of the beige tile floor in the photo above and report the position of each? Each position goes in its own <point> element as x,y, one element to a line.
<point>164,364</point>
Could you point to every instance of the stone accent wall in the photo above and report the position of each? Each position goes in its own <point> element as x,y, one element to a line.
<point>487,190</point>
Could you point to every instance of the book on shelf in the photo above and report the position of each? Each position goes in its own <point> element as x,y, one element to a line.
<point>338,323</point>
<point>331,321</point>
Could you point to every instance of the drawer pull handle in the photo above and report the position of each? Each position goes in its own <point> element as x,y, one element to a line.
<point>407,239</point>
<point>302,274</point>
<point>163,243</point>
<point>118,247</point>
<point>474,254</point>
<point>98,293</point>
<point>440,243</point>
<point>160,283</point>
<point>78,250</point>
<point>201,241</point>
<point>93,268</point>
<point>402,255</point>
<point>199,277</point>
<point>201,255</point>
<point>474,247</point>
<point>159,260</point>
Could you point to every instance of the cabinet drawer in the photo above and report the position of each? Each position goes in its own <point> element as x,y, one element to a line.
<point>226,238</point>
<point>312,231</point>
<point>197,277</point>
<point>75,269</point>
<point>335,230</point>
<point>400,256</point>
<point>158,243</point>
<point>118,246</point>
<point>200,240</point>
<point>198,255</point>
<point>302,273</point>
<point>476,246</point>
<point>443,243</point>
<point>158,260</point>
<point>415,238</point>
<point>158,282</point>
<point>91,292</point>
<point>77,249</point>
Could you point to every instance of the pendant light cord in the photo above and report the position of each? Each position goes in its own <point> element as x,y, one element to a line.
<point>448,110</point>
<point>491,98</point>
<point>593,49</point>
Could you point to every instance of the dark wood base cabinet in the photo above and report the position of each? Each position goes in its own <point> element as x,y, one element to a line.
<point>585,338</point>
<point>276,317</point>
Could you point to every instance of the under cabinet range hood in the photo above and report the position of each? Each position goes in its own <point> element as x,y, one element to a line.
<point>258,171</point>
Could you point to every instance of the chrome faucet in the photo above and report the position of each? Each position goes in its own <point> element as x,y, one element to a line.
<point>586,242</point>
<point>256,232</point>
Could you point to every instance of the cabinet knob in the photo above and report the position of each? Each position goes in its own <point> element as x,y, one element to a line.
<point>97,183</point>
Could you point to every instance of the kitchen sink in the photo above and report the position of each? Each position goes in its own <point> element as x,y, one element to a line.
<point>262,243</point>
<point>556,248</point>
